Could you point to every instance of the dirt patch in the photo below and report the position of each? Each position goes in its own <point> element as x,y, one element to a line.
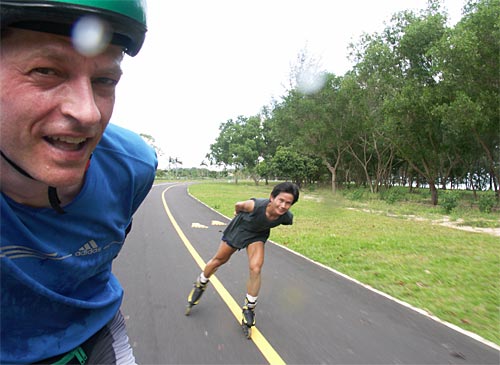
<point>445,221</point>
<point>457,225</point>
<point>311,197</point>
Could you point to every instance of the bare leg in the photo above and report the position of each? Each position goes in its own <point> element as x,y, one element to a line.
<point>255,252</point>
<point>222,255</point>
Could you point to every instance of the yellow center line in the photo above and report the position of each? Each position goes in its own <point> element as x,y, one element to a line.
<point>260,341</point>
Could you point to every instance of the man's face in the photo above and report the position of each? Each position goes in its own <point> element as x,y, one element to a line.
<point>55,104</point>
<point>282,203</point>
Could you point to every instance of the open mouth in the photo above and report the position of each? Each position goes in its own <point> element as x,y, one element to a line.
<point>67,143</point>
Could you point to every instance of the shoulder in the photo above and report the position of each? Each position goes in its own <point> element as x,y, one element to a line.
<point>128,160</point>
<point>260,205</point>
<point>260,202</point>
<point>125,144</point>
<point>287,218</point>
<point>246,206</point>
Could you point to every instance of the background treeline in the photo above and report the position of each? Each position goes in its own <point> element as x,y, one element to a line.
<point>420,107</point>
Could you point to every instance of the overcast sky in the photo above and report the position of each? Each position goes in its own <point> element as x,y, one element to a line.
<point>205,62</point>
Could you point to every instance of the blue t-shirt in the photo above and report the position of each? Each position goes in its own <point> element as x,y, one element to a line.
<point>57,289</point>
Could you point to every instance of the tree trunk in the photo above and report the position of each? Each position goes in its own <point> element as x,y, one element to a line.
<point>255,179</point>
<point>491,161</point>
<point>473,186</point>
<point>333,171</point>
<point>434,193</point>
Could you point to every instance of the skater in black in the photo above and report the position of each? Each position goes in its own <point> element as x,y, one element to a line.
<point>249,229</point>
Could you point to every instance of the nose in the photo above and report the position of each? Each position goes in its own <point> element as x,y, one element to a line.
<point>79,102</point>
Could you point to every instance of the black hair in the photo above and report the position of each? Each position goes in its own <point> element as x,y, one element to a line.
<point>286,187</point>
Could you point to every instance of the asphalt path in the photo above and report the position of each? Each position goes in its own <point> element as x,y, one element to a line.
<point>307,314</point>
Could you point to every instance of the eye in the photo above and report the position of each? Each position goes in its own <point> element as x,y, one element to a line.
<point>46,71</point>
<point>105,81</point>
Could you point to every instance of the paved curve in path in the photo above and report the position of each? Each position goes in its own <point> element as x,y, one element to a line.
<point>307,314</point>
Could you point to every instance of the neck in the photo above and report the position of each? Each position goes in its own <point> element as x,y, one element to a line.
<point>31,193</point>
<point>270,214</point>
<point>25,190</point>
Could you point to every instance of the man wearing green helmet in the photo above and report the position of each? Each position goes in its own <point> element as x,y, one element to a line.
<point>70,181</point>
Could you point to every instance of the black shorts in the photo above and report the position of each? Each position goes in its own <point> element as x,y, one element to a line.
<point>237,246</point>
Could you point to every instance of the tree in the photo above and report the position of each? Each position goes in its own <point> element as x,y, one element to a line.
<point>470,67</point>
<point>311,125</point>
<point>412,126</point>
<point>291,165</point>
<point>422,103</point>
<point>239,145</point>
<point>373,80</point>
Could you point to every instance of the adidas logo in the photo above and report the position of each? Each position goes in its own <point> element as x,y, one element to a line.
<point>89,248</point>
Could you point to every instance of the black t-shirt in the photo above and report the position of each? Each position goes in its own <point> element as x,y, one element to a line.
<point>247,228</point>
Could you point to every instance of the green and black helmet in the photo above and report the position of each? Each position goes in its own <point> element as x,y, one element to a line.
<point>127,18</point>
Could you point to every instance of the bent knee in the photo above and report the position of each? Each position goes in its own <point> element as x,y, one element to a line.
<point>218,261</point>
<point>255,269</point>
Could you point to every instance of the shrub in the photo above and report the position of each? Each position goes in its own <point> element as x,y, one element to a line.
<point>393,195</point>
<point>450,200</point>
<point>355,194</point>
<point>486,202</point>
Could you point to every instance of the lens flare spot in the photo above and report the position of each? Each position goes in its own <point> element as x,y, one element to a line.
<point>90,36</point>
<point>310,82</point>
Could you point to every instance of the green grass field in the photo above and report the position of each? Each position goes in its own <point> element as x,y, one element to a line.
<point>395,248</point>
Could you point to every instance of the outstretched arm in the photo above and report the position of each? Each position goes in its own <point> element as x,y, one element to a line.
<point>244,206</point>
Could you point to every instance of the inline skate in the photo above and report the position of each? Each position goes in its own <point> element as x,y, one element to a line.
<point>248,320</point>
<point>195,295</point>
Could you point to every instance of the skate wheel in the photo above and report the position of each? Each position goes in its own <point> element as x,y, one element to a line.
<point>247,331</point>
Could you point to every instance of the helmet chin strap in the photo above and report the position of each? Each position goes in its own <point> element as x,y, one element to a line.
<point>54,200</point>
